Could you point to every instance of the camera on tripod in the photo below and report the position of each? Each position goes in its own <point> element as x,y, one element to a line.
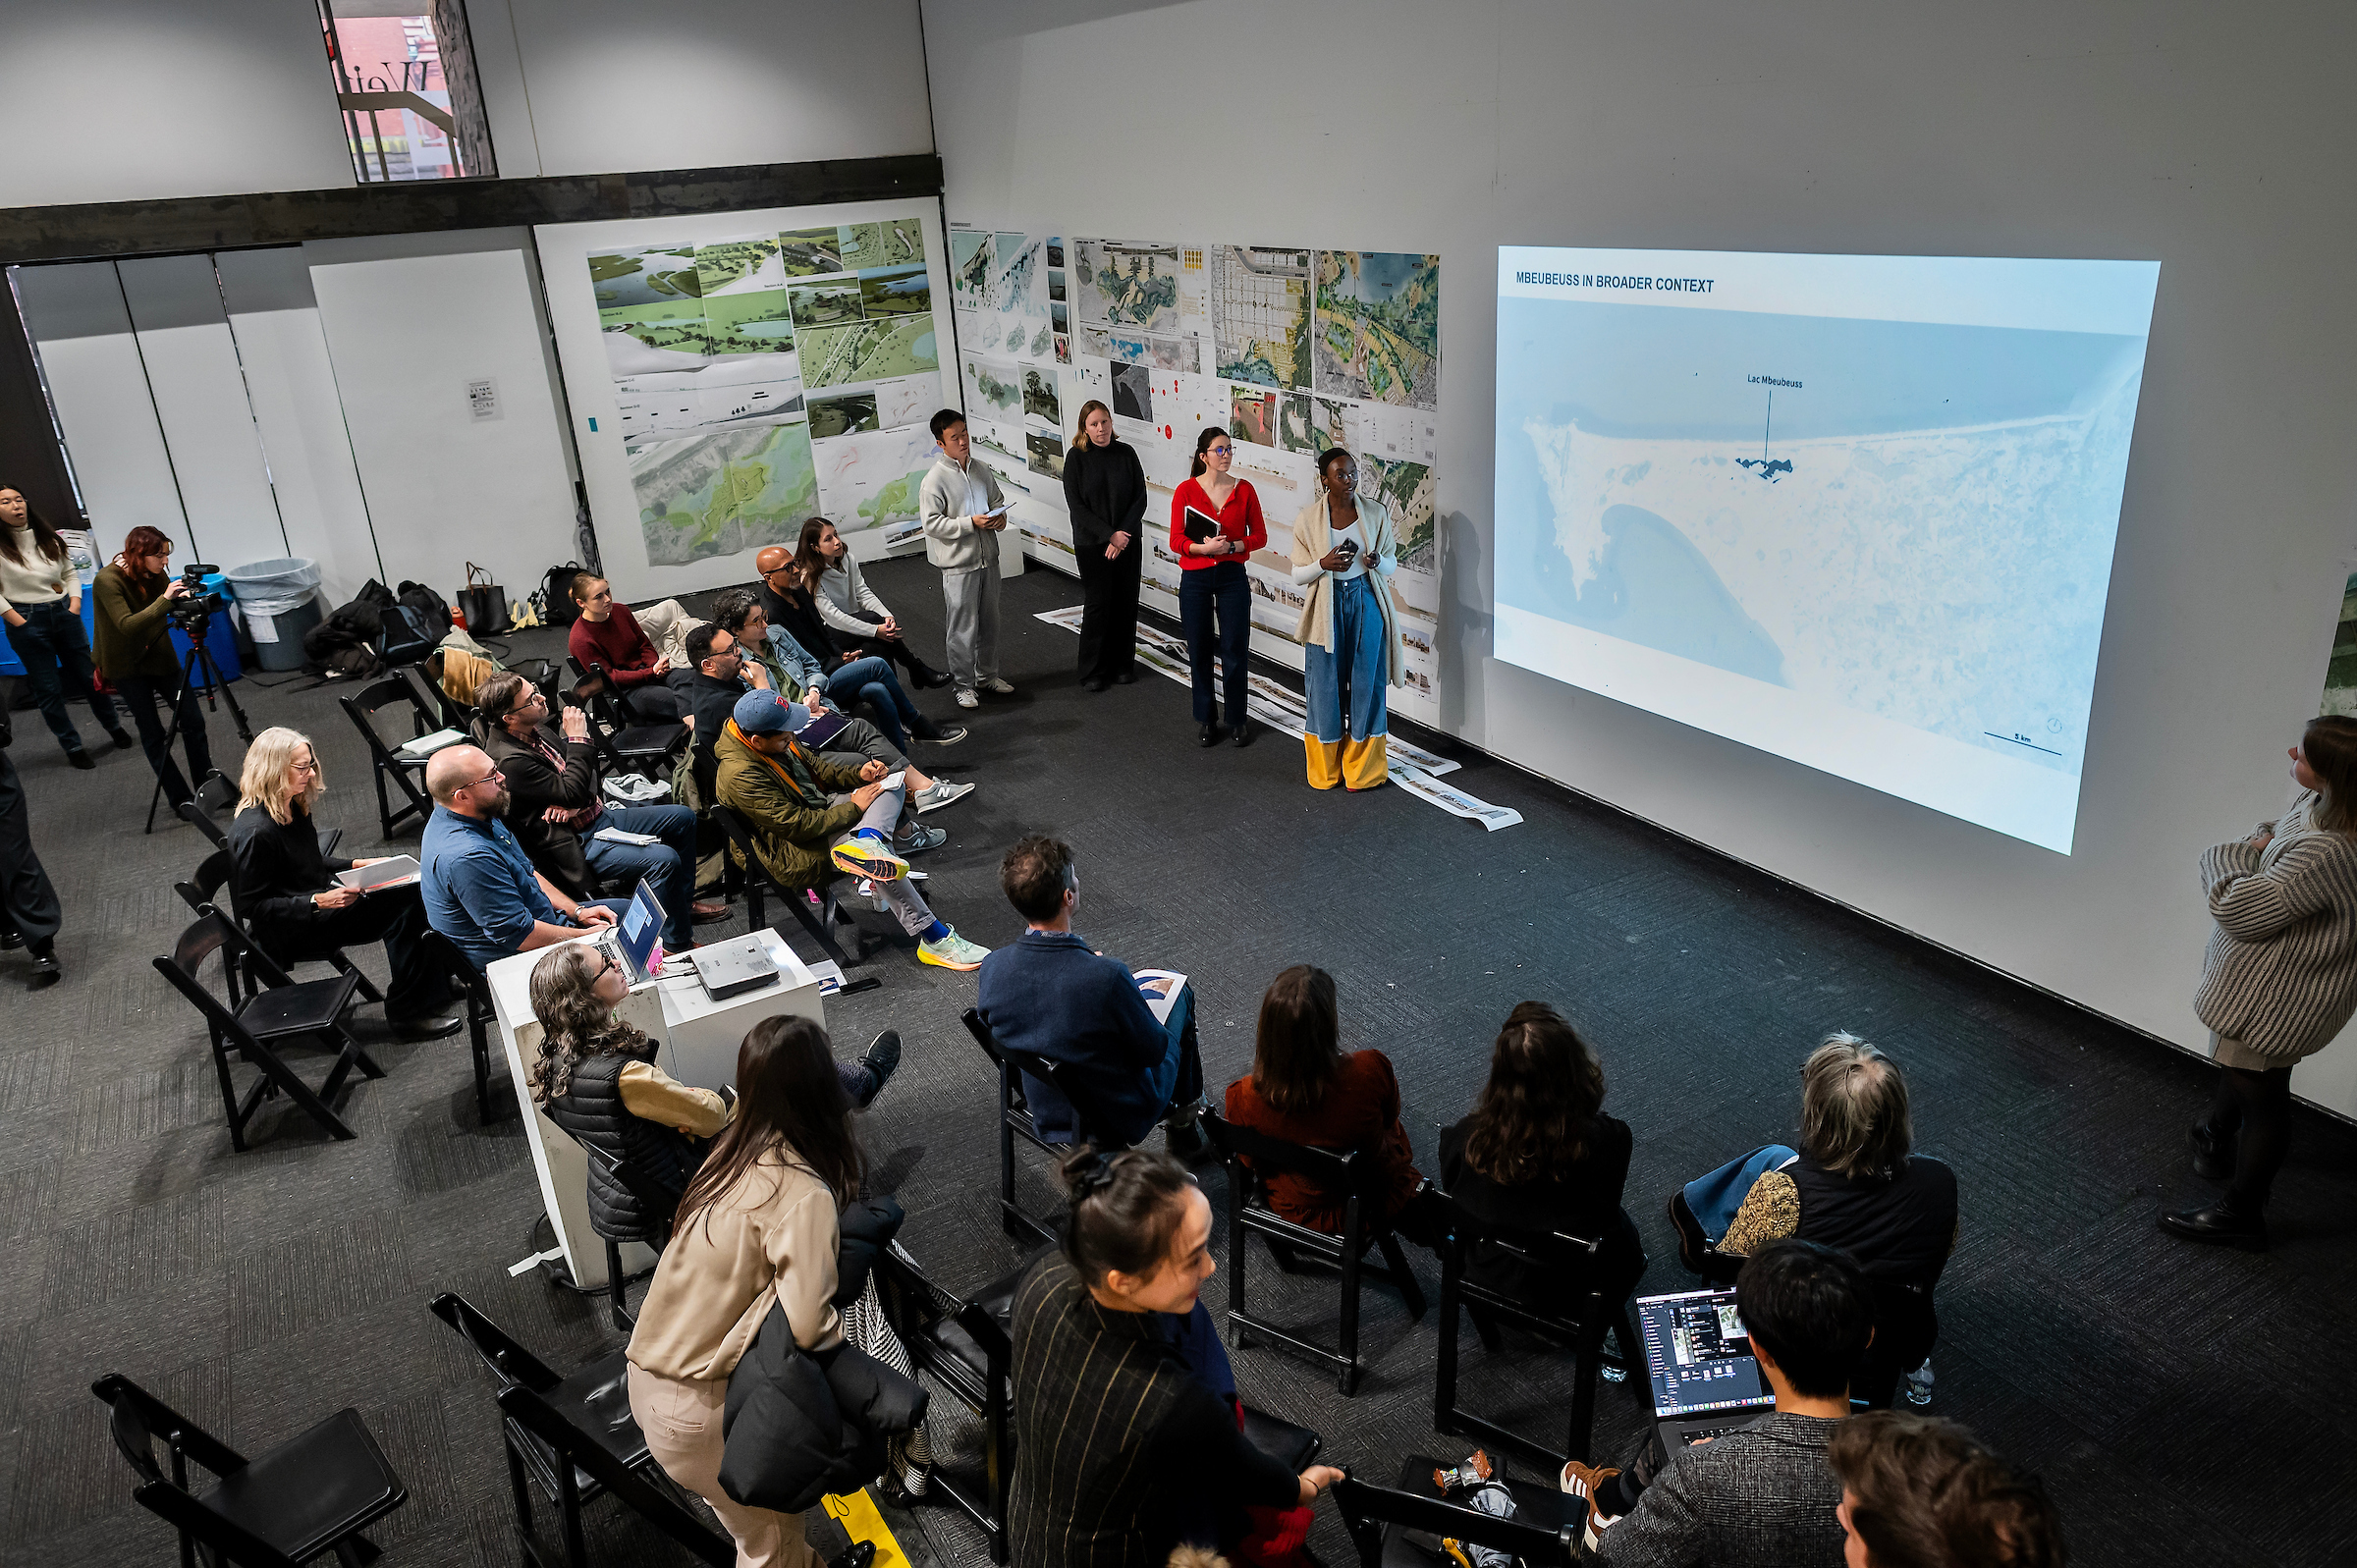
<point>192,611</point>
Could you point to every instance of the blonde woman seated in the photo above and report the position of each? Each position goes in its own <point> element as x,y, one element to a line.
<point>596,1078</point>
<point>284,891</point>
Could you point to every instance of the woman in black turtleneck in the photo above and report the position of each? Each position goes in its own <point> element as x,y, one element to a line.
<point>286,893</point>
<point>1105,491</point>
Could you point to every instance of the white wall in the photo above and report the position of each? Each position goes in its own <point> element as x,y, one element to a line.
<point>410,322</point>
<point>76,318</point>
<point>119,100</point>
<point>2211,138</point>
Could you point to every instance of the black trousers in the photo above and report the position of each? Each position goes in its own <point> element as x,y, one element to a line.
<point>1222,592</point>
<point>2253,1111</point>
<point>150,703</point>
<point>1109,611</point>
<point>892,650</point>
<point>27,902</point>
<point>395,917</point>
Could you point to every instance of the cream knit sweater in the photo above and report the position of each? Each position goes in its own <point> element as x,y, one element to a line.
<point>2280,976</point>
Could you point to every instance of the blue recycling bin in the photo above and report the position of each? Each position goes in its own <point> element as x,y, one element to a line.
<point>220,634</point>
<point>11,664</point>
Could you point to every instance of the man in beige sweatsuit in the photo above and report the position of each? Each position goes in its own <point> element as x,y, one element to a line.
<point>957,499</point>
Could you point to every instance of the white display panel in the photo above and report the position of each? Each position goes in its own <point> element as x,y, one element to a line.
<point>1855,510</point>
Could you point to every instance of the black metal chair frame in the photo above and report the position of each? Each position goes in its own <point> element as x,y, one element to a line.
<point>1368,1509</point>
<point>140,1418</point>
<point>626,742</point>
<point>454,714</point>
<point>648,1191</point>
<point>569,1466</point>
<point>1355,1174</point>
<point>759,885</point>
<point>360,707</point>
<point>475,991</point>
<point>1016,1121</point>
<point>201,894</point>
<point>991,1398</point>
<point>1582,1328</point>
<point>232,1032</point>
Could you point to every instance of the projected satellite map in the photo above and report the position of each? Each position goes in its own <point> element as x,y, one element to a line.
<point>716,495</point>
<point>1909,521</point>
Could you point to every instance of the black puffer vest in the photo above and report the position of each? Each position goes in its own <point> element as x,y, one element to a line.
<point>591,1110</point>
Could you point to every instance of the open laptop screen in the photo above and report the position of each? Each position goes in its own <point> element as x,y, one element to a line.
<point>639,930</point>
<point>1698,1354</point>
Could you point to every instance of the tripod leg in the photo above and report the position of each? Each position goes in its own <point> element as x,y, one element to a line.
<point>172,730</point>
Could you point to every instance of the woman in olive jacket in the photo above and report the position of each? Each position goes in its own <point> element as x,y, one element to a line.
<point>1105,491</point>
<point>135,594</point>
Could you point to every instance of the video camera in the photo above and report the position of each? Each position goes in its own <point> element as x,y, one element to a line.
<point>191,613</point>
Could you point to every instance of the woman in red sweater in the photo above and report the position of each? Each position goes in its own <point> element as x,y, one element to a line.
<point>1215,580</point>
<point>1305,1091</point>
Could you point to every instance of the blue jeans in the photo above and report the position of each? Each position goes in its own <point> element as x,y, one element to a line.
<point>871,681</point>
<point>670,865</point>
<point>1223,588</point>
<point>56,653</point>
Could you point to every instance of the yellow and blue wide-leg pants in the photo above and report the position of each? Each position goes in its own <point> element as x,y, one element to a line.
<point>1349,749</point>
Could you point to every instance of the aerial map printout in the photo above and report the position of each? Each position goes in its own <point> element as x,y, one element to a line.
<point>1857,511</point>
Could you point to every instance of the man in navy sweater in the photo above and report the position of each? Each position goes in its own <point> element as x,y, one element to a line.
<point>1049,995</point>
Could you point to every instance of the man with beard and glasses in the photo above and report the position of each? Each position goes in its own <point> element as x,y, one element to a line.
<point>480,889</point>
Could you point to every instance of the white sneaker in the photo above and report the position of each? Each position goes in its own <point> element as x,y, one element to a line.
<point>952,951</point>
<point>966,698</point>
<point>996,687</point>
<point>941,794</point>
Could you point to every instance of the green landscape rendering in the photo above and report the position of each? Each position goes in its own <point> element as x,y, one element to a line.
<point>717,495</point>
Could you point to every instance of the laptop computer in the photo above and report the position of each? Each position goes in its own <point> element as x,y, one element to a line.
<point>1706,1382</point>
<point>635,941</point>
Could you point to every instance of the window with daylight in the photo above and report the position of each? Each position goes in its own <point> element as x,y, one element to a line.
<point>405,85</point>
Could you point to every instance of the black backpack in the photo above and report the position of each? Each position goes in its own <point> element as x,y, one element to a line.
<point>429,604</point>
<point>407,638</point>
<point>556,587</point>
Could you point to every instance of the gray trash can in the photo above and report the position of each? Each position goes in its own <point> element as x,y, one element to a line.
<point>280,602</point>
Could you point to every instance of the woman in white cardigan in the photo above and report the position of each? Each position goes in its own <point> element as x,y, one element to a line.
<point>2279,980</point>
<point>1344,552</point>
<point>862,623</point>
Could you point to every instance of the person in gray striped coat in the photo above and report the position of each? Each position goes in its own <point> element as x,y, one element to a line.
<point>2278,982</point>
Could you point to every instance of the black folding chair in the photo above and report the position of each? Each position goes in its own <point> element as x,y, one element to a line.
<point>475,991</point>
<point>1402,1526</point>
<point>818,923</point>
<point>963,1344</point>
<point>1016,1121</point>
<point>312,1494</point>
<point>628,743</point>
<point>202,894</point>
<point>1359,1178</point>
<point>658,1199</point>
<point>1585,1302</point>
<point>575,1438</point>
<point>452,713</point>
<point>406,773</point>
<point>282,1010</point>
<point>196,816</point>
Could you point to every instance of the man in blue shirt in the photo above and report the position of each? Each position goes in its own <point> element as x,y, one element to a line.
<point>480,889</point>
<point>1049,995</point>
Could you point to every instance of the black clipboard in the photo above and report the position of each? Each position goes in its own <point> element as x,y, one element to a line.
<point>1200,525</point>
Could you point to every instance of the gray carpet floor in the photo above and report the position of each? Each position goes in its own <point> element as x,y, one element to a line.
<point>2178,1402</point>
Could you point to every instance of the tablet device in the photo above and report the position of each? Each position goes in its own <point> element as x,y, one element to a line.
<point>396,868</point>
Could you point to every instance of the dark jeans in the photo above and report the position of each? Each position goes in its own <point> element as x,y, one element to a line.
<point>871,681</point>
<point>1109,611</point>
<point>893,650</point>
<point>1224,589</point>
<point>150,702</point>
<point>2253,1111</point>
<point>56,652</point>
<point>395,917</point>
<point>27,902</point>
<point>669,865</point>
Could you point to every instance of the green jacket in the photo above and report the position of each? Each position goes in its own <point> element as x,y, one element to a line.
<point>130,636</point>
<point>786,802</point>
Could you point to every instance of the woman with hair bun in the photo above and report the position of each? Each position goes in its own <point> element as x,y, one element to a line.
<point>1213,586</point>
<point>1123,1449</point>
<point>1344,552</point>
<point>2279,980</point>
<point>1105,491</point>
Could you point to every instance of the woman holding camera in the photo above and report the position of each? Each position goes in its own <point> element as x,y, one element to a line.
<point>286,892</point>
<point>1344,553</point>
<point>135,593</point>
<point>40,602</point>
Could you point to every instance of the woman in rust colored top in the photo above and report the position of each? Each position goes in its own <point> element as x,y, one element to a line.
<point>1305,1090</point>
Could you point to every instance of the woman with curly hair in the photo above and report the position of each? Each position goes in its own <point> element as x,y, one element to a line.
<point>1539,1154</point>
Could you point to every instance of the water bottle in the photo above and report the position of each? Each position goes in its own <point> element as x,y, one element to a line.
<point>1919,1383</point>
